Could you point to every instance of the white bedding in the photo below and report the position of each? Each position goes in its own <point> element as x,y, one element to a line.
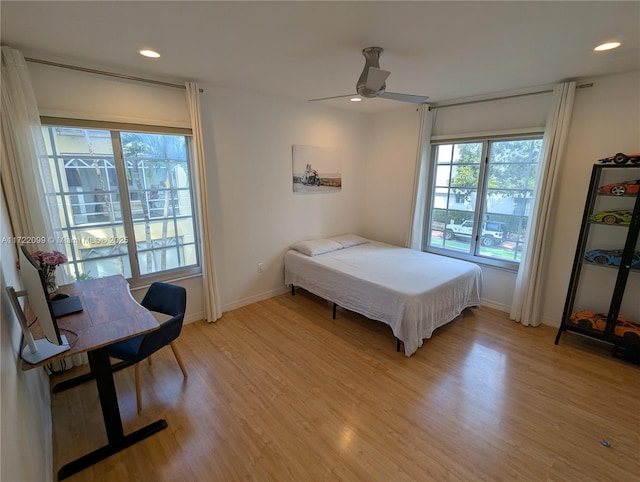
<point>411,291</point>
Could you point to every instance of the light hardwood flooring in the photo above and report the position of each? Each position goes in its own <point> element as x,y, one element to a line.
<point>279,391</point>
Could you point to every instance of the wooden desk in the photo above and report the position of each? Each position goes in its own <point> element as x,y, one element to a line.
<point>110,314</point>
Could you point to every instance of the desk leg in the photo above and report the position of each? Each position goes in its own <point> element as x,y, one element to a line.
<point>101,369</point>
<point>85,377</point>
<point>117,440</point>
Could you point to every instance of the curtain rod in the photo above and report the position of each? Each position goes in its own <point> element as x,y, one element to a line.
<point>509,96</point>
<point>512,96</point>
<point>104,72</point>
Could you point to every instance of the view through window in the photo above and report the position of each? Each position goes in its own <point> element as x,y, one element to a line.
<point>482,195</point>
<point>125,201</point>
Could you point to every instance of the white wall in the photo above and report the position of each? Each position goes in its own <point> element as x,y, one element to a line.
<point>523,112</point>
<point>248,139</point>
<point>393,140</point>
<point>25,414</point>
<point>79,95</point>
<point>391,156</point>
<point>605,120</point>
<point>256,215</point>
<point>73,94</point>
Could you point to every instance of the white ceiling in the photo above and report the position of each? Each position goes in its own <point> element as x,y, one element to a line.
<point>304,50</point>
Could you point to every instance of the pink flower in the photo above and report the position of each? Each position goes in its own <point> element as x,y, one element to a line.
<point>37,255</point>
<point>49,260</point>
<point>60,257</point>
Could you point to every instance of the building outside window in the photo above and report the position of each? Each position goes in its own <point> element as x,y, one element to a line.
<point>481,199</point>
<point>125,201</point>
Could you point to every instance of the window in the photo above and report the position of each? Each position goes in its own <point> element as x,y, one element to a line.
<point>124,199</point>
<point>481,198</point>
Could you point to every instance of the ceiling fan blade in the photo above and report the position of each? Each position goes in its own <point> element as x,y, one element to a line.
<point>334,97</point>
<point>376,78</point>
<point>414,99</point>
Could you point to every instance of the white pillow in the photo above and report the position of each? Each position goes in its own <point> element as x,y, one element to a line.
<point>348,240</point>
<point>314,247</point>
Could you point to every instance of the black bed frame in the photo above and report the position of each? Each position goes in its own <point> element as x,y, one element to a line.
<point>335,306</point>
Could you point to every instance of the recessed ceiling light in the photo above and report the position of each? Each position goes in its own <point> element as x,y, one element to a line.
<point>355,99</point>
<point>152,54</point>
<point>607,46</point>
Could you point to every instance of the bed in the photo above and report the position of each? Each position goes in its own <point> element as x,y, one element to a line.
<point>411,291</point>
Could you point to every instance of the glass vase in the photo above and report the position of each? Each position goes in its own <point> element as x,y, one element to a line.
<point>52,286</point>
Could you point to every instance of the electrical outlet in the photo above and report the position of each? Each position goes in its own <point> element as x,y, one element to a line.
<point>260,267</point>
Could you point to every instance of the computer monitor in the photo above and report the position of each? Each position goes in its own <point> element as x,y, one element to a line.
<point>35,288</point>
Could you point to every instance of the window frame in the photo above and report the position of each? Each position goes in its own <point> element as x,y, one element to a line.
<point>483,180</point>
<point>128,224</point>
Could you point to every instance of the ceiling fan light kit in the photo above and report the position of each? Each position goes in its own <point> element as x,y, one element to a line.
<point>372,81</point>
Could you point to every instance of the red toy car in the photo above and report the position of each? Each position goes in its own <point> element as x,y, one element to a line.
<point>620,188</point>
<point>621,158</point>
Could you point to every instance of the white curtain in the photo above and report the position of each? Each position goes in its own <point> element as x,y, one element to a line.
<point>416,235</point>
<point>526,307</point>
<point>25,172</point>
<point>212,307</point>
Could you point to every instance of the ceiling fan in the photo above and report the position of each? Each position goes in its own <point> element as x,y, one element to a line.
<point>372,81</point>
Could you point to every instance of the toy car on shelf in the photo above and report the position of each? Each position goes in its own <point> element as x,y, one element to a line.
<point>621,216</point>
<point>611,257</point>
<point>621,158</point>
<point>590,320</point>
<point>620,188</point>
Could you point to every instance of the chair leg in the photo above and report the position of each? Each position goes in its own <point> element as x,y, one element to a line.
<point>138,388</point>
<point>176,353</point>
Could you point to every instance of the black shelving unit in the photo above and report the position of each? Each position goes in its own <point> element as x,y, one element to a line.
<point>603,299</point>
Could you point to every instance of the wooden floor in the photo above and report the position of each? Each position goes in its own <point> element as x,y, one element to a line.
<point>280,391</point>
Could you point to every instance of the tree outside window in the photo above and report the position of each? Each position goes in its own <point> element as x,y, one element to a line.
<point>482,194</point>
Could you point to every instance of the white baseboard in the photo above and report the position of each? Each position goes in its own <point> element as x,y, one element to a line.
<point>254,299</point>
<point>238,304</point>
<point>550,322</point>
<point>270,294</point>
<point>496,305</point>
<point>546,320</point>
<point>194,317</point>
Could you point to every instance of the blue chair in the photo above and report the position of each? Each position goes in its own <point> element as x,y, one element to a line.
<point>162,298</point>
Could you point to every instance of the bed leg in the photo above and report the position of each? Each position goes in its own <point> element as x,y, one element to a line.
<point>334,311</point>
<point>397,344</point>
<point>293,289</point>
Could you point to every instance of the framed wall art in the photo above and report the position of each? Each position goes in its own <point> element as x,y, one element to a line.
<point>316,169</point>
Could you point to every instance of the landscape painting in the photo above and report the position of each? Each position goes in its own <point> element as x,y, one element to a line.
<point>316,169</point>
